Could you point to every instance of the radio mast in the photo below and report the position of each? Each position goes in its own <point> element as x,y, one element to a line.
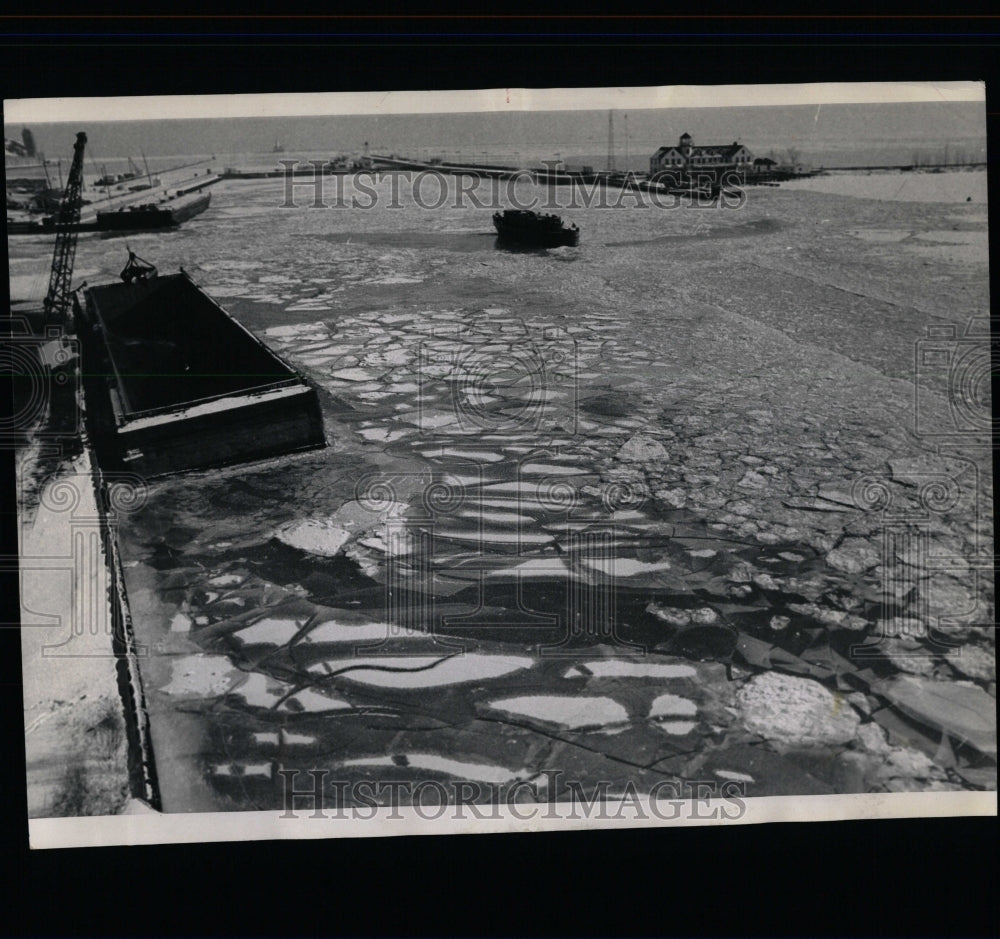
<point>611,141</point>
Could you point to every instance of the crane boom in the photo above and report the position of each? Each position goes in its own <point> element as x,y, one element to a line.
<point>57,299</point>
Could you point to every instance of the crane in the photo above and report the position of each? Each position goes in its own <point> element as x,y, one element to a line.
<point>67,220</point>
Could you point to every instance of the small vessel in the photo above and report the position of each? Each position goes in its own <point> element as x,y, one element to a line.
<point>533,229</point>
<point>278,148</point>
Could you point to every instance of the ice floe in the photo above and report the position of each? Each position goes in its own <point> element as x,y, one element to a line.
<point>313,702</point>
<point>625,567</point>
<point>336,632</point>
<point>429,671</point>
<point>204,676</point>
<point>672,705</point>
<point>261,691</point>
<point>478,772</point>
<point>271,631</point>
<point>317,536</point>
<point>677,728</point>
<point>239,769</point>
<point>226,580</point>
<point>180,623</point>
<point>574,712</point>
<point>616,668</point>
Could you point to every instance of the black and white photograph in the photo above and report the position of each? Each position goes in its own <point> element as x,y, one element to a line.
<point>502,460</point>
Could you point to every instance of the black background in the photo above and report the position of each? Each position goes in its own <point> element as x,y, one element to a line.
<point>914,877</point>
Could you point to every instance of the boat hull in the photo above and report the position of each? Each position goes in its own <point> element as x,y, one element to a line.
<point>173,382</point>
<point>534,231</point>
<point>19,227</point>
<point>160,215</point>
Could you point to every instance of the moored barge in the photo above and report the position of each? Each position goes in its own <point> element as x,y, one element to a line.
<point>174,383</point>
<point>152,215</point>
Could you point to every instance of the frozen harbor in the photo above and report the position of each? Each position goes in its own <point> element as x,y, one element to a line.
<point>676,504</point>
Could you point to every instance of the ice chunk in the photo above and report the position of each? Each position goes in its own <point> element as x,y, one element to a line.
<point>226,580</point>
<point>677,728</point>
<point>625,567</point>
<point>615,668</point>
<point>480,772</point>
<point>673,705</point>
<point>272,631</point>
<point>430,671</point>
<point>333,631</point>
<point>261,691</point>
<point>573,711</point>
<point>313,701</point>
<point>204,676</point>
<point>180,624</point>
<point>317,536</point>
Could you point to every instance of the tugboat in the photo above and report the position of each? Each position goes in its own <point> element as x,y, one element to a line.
<point>522,227</point>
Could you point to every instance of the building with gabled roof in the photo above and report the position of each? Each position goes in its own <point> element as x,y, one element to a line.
<point>684,156</point>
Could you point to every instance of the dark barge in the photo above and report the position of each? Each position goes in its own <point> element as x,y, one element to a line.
<point>174,383</point>
<point>152,215</point>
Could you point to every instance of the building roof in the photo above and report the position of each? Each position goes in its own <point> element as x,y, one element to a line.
<point>721,149</point>
<point>731,147</point>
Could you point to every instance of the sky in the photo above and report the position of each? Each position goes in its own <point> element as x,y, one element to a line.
<point>49,110</point>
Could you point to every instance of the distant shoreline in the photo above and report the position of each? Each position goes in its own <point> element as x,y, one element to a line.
<point>908,167</point>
